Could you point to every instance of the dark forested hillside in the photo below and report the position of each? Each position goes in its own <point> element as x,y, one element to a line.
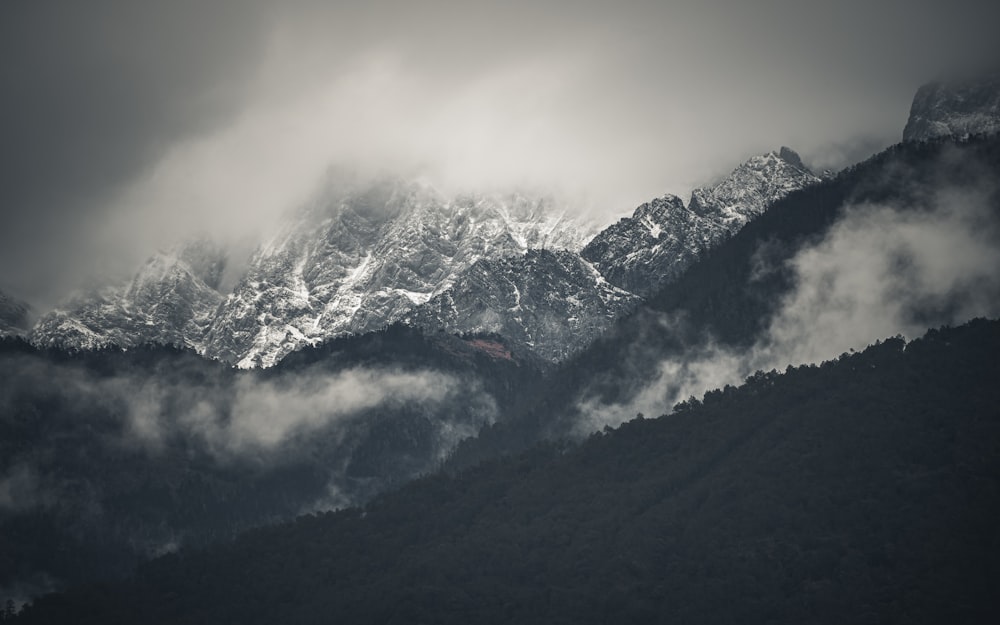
<point>108,457</point>
<point>862,490</point>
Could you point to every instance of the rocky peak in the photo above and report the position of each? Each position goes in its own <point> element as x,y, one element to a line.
<point>658,212</point>
<point>791,157</point>
<point>955,108</point>
<point>662,237</point>
<point>753,186</point>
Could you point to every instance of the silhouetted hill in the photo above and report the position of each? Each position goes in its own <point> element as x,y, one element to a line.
<point>862,490</point>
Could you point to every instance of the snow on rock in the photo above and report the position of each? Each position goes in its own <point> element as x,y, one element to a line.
<point>663,237</point>
<point>551,302</point>
<point>361,257</point>
<point>753,186</point>
<point>171,300</point>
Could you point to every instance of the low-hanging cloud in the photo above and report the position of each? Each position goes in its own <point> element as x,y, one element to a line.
<point>263,417</point>
<point>255,418</point>
<point>268,414</point>
<point>880,271</point>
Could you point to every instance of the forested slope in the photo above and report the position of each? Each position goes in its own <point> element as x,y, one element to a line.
<point>862,490</point>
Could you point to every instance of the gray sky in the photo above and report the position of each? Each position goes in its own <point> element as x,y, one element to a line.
<point>126,124</point>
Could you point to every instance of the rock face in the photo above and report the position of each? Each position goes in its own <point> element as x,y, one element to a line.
<point>13,315</point>
<point>361,259</point>
<point>651,247</point>
<point>361,256</point>
<point>955,109</point>
<point>663,237</point>
<point>553,303</point>
<point>171,300</point>
<point>751,188</point>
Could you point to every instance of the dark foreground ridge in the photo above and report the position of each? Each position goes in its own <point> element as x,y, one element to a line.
<point>863,490</point>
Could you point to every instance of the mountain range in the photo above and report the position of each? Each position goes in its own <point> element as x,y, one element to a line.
<point>361,256</point>
<point>388,332</point>
<point>364,254</point>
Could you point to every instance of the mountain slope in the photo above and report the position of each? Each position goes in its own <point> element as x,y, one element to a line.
<point>863,490</point>
<point>663,237</point>
<point>362,259</point>
<point>171,300</point>
<point>653,246</point>
<point>753,186</point>
<point>552,303</point>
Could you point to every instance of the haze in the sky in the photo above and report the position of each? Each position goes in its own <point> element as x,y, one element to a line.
<point>128,124</point>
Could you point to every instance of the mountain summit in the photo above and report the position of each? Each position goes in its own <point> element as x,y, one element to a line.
<point>362,258</point>
<point>643,252</point>
<point>956,108</point>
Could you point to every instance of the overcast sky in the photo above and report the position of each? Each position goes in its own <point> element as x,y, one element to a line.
<point>126,124</point>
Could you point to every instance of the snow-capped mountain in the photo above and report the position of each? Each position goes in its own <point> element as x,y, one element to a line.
<point>363,255</point>
<point>13,315</point>
<point>663,237</point>
<point>554,303</point>
<point>171,300</point>
<point>360,258</point>
<point>955,108</point>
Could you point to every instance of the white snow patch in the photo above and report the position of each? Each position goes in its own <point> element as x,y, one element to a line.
<point>517,297</point>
